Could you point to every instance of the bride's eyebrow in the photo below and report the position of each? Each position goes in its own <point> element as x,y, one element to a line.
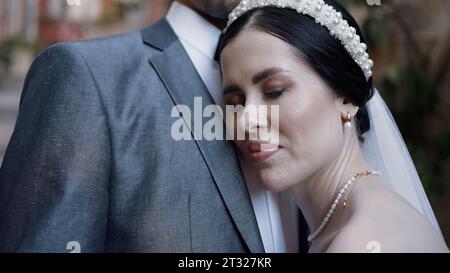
<point>266,73</point>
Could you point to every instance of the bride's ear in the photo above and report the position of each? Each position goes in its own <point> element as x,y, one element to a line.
<point>344,106</point>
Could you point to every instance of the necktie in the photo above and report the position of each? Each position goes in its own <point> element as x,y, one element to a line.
<point>217,54</point>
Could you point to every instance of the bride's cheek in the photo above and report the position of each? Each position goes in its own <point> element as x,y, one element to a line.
<point>294,120</point>
<point>302,130</point>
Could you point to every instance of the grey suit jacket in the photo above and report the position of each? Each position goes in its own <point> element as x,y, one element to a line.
<point>92,160</point>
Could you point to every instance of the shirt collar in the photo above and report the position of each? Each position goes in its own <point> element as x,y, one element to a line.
<point>194,29</point>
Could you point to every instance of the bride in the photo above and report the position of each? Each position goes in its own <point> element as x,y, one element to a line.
<point>338,151</point>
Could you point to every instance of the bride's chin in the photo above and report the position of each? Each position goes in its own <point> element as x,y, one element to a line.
<point>272,181</point>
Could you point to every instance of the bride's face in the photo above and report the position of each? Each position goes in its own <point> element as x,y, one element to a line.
<point>261,69</point>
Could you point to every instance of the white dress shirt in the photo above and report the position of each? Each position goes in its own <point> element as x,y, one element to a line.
<point>276,214</point>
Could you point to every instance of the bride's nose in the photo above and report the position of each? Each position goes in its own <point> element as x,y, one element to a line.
<point>252,121</point>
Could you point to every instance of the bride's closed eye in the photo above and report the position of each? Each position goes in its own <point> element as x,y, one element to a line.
<point>237,98</point>
<point>276,85</point>
<point>273,94</point>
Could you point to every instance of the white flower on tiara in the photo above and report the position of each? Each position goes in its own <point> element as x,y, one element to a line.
<point>323,14</point>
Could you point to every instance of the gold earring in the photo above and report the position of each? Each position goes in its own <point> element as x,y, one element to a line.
<point>348,121</point>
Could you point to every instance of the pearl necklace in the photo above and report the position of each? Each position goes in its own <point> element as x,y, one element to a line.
<point>344,192</point>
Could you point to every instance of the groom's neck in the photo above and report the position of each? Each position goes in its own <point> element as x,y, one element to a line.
<point>219,23</point>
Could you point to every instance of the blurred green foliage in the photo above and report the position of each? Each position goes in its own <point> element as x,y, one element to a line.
<point>8,46</point>
<point>118,12</point>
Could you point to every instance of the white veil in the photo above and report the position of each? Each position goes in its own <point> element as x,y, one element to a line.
<point>386,152</point>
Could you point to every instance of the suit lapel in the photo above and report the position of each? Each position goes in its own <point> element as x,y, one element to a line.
<point>183,83</point>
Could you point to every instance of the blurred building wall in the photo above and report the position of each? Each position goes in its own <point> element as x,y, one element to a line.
<point>61,20</point>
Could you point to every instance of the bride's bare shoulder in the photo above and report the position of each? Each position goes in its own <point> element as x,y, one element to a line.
<point>387,225</point>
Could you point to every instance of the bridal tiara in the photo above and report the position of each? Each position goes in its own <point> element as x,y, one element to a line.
<point>323,14</point>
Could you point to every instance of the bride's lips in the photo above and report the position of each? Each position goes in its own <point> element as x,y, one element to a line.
<point>260,151</point>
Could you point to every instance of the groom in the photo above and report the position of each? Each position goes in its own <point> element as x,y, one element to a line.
<point>92,166</point>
